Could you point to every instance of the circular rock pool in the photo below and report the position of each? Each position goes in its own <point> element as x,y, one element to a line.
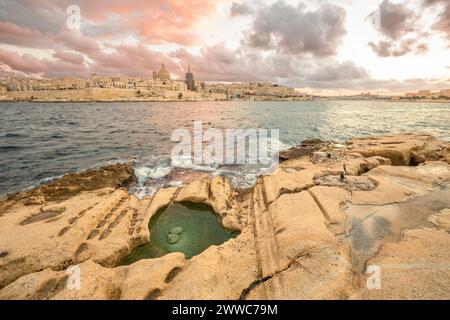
<point>181,227</point>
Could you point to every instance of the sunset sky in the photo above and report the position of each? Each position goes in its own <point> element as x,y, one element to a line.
<point>321,46</point>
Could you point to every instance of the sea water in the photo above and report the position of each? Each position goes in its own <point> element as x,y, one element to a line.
<point>181,227</point>
<point>42,141</point>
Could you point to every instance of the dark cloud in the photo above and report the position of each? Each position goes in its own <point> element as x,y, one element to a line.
<point>391,85</point>
<point>396,20</point>
<point>400,29</point>
<point>444,21</point>
<point>294,30</point>
<point>430,2</point>
<point>247,64</point>
<point>443,18</point>
<point>240,9</point>
<point>39,16</point>
<point>333,71</point>
<point>287,44</point>
<point>243,64</point>
<point>399,48</point>
<point>414,84</point>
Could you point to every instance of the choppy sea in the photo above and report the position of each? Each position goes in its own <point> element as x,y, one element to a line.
<point>42,141</point>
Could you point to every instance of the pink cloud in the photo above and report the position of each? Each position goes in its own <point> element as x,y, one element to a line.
<point>69,57</point>
<point>40,24</point>
<point>132,61</point>
<point>11,33</point>
<point>155,21</point>
<point>64,64</point>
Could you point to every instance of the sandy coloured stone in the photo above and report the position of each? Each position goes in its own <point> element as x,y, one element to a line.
<point>441,219</point>
<point>173,238</point>
<point>303,229</point>
<point>176,230</point>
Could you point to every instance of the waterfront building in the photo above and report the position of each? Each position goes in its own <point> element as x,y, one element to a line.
<point>190,82</point>
<point>445,93</point>
<point>428,94</point>
<point>163,74</point>
<point>158,85</point>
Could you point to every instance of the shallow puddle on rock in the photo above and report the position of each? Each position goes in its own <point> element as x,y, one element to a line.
<point>373,225</point>
<point>44,215</point>
<point>181,227</point>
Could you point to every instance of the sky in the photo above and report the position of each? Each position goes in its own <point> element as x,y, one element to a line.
<point>321,46</point>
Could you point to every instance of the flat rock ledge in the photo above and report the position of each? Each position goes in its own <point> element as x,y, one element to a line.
<point>310,230</point>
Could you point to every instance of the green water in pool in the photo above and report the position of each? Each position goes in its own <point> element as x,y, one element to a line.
<point>181,227</point>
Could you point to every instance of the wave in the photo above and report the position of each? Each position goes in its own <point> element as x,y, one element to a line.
<point>12,147</point>
<point>13,135</point>
<point>154,172</point>
<point>144,173</point>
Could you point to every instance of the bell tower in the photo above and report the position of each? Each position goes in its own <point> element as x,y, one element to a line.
<point>190,79</point>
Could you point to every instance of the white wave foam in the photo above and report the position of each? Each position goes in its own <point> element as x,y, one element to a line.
<point>143,173</point>
<point>185,162</point>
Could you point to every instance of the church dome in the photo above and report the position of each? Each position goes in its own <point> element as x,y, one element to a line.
<point>163,74</point>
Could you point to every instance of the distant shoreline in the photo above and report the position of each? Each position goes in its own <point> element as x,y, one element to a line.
<point>242,100</point>
<point>387,100</point>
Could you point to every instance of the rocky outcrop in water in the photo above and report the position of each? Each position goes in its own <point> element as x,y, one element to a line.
<point>113,176</point>
<point>310,230</point>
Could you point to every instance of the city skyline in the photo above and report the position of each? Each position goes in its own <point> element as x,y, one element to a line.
<point>325,47</point>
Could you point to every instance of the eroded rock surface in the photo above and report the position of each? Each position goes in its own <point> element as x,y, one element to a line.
<point>404,149</point>
<point>416,267</point>
<point>308,231</point>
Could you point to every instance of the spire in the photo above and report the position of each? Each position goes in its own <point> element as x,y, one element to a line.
<point>189,68</point>
<point>163,66</point>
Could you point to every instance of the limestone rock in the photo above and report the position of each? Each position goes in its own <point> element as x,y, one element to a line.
<point>220,272</point>
<point>401,149</point>
<point>172,238</point>
<point>359,165</point>
<point>321,274</point>
<point>441,219</point>
<point>223,202</point>
<point>322,156</point>
<point>196,191</point>
<point>176,230</point>
<point>298,253</point>
<point>414,268</point>
<point>396,184</point>
<point>306,148</point>
<point>306,231</point>
<point>349,183</point>
<point>113,176</point>
<point>330,200</point>
<point>282,182</point>
<point>97,282</point>
<point>91,225</point>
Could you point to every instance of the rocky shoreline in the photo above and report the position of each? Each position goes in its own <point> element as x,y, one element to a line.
<point>308,231</point>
